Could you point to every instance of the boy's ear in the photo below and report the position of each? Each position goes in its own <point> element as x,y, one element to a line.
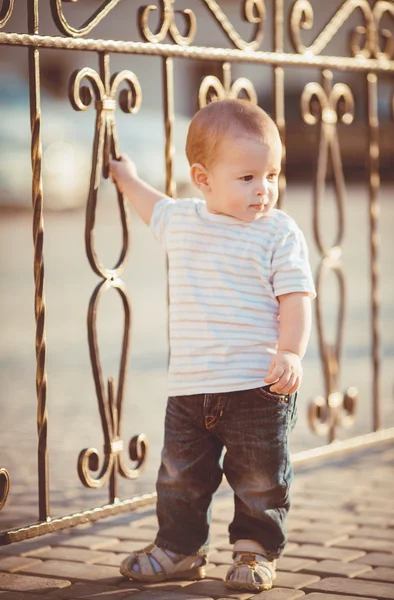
<point>200,177</point>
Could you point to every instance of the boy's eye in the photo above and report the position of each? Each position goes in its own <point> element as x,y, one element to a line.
<point>247,177</point>
<point>272,177</point>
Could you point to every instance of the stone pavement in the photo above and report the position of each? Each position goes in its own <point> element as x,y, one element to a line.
<point>341,544</point>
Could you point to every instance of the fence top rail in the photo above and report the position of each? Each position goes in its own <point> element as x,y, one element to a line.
<point>275,59</point>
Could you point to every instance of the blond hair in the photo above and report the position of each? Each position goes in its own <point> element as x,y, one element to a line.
<point>225,117</point>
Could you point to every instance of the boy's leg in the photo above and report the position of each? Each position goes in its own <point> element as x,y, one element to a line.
<point>255,430</point>
<point>188,476</point>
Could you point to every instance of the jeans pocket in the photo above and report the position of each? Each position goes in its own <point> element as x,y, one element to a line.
<point>265,393</point>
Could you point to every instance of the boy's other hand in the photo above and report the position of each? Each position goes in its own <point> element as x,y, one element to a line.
<point>285,373</point>
<point>122,170</point>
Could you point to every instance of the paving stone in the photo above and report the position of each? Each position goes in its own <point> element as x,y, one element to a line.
<point>112,560</point>
<point>213,589</point>
<point>75,571</point>
<point>365,544</point>
<point>319,516</point>
<point>13,564</point>
<point>353,587</point>
<point>160,595</point>
<point>318,596</point>
<point>218,572</point>
<point>337,568</point>
<point>328,527</point>
<point>221,558</point>
<point>376,532</point>
<point>91,542</point>
<point>324,538</point>
<point>74,554</point>
<point>27,546</point>
<point>377,559</point>
<point>26,583</point>
<point>87,591</point>
<point>379,574</point>
<point>128,546</point>
<point>128,533</point>
<point>165,586</point>
<point>279,594</point>
<point>287,563</point>
<point>150,522</point>
<point>19,596</point>
<point>324,552</point>
<point>294,580</point>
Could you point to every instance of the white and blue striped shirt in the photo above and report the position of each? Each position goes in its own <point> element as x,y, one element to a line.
<point>224,279</point>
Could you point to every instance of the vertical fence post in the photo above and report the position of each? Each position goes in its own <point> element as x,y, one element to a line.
<point>38,237</point>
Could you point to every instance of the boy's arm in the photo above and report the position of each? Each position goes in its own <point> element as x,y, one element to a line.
<point>294,329</point>
<point>140,194</point>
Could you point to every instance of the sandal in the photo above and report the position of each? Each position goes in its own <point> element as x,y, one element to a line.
<point>177,566</point>
<point>251,570</point>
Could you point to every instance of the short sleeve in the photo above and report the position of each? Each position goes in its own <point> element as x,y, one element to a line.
<point>291,271</point>
<point>160,219</point>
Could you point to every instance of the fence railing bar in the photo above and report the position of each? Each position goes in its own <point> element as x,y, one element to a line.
<point>340,63</point>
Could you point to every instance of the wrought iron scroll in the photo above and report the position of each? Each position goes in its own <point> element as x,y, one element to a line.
<point>7,6</point>
<point>105,90</point>
<point>253,12</point>
<point>65,27</point>
<point>4,487</point>
<point>212,88</point>
<point>302,18</point>
<point>335,409</point>
<point>167,24</point>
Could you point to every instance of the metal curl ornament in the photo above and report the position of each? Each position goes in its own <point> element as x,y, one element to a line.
<point>334,103</point>
<point>105,144</point>
<point>110,407</point>
<point>105,89</point>
<point>64,26</point>
<point>167,24</point>
<point>7,6</point>
<point>253,12</point>
<point>330,100</point>
<point>364,39</point>
<point>224,90</point>
<point>4,487</point>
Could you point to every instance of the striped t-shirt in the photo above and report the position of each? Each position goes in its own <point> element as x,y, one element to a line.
<point>224,279</point>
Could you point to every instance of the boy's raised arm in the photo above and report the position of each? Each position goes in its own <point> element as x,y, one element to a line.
<point>140,194</point>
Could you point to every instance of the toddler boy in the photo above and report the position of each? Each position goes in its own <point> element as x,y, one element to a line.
<point>240,293</point>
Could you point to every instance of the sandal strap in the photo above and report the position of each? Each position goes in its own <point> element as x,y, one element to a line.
<point>163,559</point>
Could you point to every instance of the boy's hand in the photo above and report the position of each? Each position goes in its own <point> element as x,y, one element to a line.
<point>122,170</point>
<point>285,373</point>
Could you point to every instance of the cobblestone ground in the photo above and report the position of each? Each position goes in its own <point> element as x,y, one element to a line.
<point>73,416</point>
<point>341,545</point>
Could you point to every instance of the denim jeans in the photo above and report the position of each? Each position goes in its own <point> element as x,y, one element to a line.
<point>253,426</point>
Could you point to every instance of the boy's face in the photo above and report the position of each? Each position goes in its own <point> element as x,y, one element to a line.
<point>243,181</point>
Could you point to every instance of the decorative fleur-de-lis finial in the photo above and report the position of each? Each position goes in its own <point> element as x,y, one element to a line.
<point>329,104</point>
<point>105,147</point>
<point>212,88</point>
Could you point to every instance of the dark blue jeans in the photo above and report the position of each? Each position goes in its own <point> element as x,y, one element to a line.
<point>254,427</point>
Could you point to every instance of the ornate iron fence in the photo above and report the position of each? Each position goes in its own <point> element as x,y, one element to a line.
<point>323,104</point>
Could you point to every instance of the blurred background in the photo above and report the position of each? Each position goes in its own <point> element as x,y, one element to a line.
<point>67,138</point>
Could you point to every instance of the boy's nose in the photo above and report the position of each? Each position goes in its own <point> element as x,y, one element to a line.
<point>261,189</point>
